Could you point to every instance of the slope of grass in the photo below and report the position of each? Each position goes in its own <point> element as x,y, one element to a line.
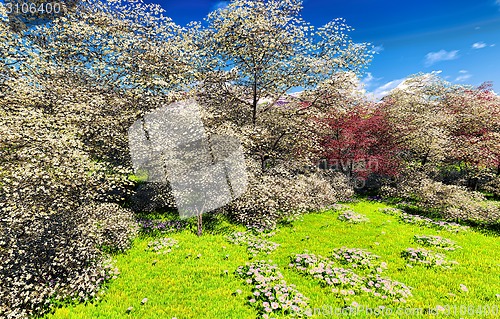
<point>196,279</point>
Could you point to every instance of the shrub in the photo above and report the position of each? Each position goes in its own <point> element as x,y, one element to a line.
<point>52,227</point>
<point>449,201</point>
<point>49,238</point>
<point>279,194</point>
<point>341,186</point>
<point>493,186</point>
<point>151,197</point>
<point>63,147</point>
<point>358,258</point>
<point>352,217</point>
<point>116,227</point>
<point>270,293</point>
<point>254,243</point>
<point>345,281</point>
<point>325,271</point>
<point>54,257</point>
<point>424,221</point>
<point>386,288</point>
<point>435,241</point>
<point>427,258</point>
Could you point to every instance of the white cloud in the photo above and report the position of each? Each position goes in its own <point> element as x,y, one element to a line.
<point>369,80</point>
<point>442,55</point>
<point>400,84</point>
<point>385,89</point>
<point>464,75</point>
<point>220,5</point>
<point>380,48</point>
<point>479,45</point>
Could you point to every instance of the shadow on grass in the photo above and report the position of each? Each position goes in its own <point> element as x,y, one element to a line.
<point>160,223</point>
<point>488,229</point>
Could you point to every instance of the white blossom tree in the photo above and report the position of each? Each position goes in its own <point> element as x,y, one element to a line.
<point>252,54</point>
<point>262,49</point>
<point>69,90</point>
<point>421,123</point>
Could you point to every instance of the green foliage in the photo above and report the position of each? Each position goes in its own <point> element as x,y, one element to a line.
<point>138,177</point>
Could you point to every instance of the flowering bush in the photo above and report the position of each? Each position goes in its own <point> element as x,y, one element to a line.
<point>64,154</point>
<point>427,258</point>
<point>270,293</point>
<point>150,197</point>
<point>162,246</point>
<point>353,217</point>
<point>275,129</point>
<point>358,258</point>
<point>345,282</point>
<point>115,226</point>
<point>451,202</point>
<point>386,288</point>
<point>275,195</point>
<point>424,221</point>
<point>493,186</point>
<point>254,243</point>
<point>391,211</point>
<point>428,222</point>
<point>361,141</point>
<point>436,241</point>
<point>55,257</point>
<point>323,269</point>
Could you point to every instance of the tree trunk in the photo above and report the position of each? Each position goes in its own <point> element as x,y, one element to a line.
<point>254,105</point>
<point>200,225</point>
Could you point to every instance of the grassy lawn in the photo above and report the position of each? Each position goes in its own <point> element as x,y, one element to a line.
<point>191,281</point>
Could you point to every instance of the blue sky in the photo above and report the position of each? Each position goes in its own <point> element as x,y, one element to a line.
<point>459,38</point>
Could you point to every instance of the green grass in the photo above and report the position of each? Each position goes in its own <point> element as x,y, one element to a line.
<point>183,286</point>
